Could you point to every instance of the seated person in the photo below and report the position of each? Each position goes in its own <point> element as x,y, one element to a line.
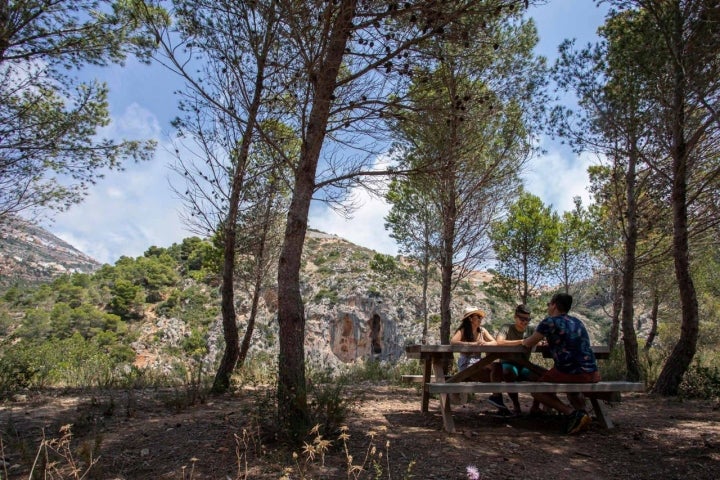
<point>471,331</point>
<point>514,365</point>
<point>573,357</point>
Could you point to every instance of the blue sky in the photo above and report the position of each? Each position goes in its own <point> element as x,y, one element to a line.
<point>129,211</point>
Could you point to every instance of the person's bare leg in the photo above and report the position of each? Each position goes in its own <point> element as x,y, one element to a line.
<point>516,403</point>
<point>552,401</point>
<point>514,398</point>
<point>577,400</point>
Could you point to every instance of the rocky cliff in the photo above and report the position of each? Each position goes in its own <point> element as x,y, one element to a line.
<point>31,255</point>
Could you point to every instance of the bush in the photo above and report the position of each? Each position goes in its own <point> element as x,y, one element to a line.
<point>327,399</point>
<point>18,368</point>
<point>700,381</point>
<point>383,263</point>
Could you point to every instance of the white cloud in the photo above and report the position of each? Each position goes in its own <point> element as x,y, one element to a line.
<point>128,211</point>
<point>365,228</point>
<point>559,176</point>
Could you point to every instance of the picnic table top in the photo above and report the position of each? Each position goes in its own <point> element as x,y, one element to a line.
<point>416,350</point>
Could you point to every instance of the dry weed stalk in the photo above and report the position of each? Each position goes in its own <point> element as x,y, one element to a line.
<point>65,466</point>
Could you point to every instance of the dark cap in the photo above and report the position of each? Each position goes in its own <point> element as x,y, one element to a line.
<point>522,308</point>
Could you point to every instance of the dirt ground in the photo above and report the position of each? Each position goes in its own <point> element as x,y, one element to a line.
<point>151,435</point>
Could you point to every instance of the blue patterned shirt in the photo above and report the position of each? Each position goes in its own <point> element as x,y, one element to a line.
<point>569,344</point>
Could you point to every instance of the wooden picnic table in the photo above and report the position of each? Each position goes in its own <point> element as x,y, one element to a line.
<point>436,356</point>
<point>435,380</point>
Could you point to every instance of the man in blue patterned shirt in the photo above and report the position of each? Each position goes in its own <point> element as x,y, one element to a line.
<point>574,360</point>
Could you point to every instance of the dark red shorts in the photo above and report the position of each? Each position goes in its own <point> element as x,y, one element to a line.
<point>556,376</point>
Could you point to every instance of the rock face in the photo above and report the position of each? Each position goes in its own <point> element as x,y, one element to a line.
<point>356,311</point>
<point>30,255</point>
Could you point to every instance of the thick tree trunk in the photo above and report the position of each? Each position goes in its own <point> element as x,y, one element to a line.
<point>525,287</point>
<point>425,278</point>
<point>227,304</point>
<point>446,272</point>
<point>632,361</point>
<point>292,395</point>
<point>445,300</point>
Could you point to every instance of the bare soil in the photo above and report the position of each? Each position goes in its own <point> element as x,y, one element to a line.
<point>152,435</point>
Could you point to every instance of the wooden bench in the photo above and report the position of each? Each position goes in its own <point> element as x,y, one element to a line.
<point>605,391</point>
<point>417,378</point>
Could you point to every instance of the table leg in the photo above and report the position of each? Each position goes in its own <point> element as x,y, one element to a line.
<point>445,408</point>
<point>426,379</point>
<point>601,412</point>
<point>474,369</point>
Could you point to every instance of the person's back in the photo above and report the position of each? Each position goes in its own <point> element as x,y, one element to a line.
<point>574,360</point>
<point>569,344</point>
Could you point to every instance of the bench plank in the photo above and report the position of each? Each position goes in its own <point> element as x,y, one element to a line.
<point>533,387</point>
<point>416,378</point>
<point>594,391</point>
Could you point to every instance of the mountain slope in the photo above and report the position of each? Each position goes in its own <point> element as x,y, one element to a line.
<point>30,255</point>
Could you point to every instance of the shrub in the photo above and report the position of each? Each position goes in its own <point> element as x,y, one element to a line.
<point>18,368</point>
<point>383,263</point>
<point>327,400</point>
<point>700,381</point>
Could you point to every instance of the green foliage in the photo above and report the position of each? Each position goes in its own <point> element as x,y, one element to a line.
<point>384,264</point>
<point>324,294</point>
<point>195,344</point>
<point>259,369</point>
<point>193,304</point>
<point>73,361</point>
<point>127,299</point>
<point>614,367</point>
<point>43,107</point>
<point>18,369</point>
<point>328,403</point>
<point>701,381</point>
<point>525,245</point>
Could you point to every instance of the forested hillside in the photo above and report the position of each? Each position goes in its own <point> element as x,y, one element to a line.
<point>159,314</point>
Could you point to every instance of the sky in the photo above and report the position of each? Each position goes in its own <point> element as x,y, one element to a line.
<point>127,212</point>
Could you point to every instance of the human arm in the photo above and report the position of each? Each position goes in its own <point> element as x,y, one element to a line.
<point>501,338</point>
<point>484,338</point>
<point>457,338</point>
<point>532,340</point>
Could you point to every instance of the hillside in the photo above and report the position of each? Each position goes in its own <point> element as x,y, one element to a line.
<point>160,312</point>
<point>30,255</point>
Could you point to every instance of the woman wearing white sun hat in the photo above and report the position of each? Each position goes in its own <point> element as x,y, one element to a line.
<point>471,331</point>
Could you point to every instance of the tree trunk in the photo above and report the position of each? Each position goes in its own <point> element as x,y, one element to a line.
<point>616,310</point>
<point>291,394</point>
<point>632,361</point>
<point>260,273</point>
<point>227,304</point>
<point>682,354</point>
<point>677,363</point>
<point>653,320</point>
<point>425,275</point>
<point>230,331</point>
